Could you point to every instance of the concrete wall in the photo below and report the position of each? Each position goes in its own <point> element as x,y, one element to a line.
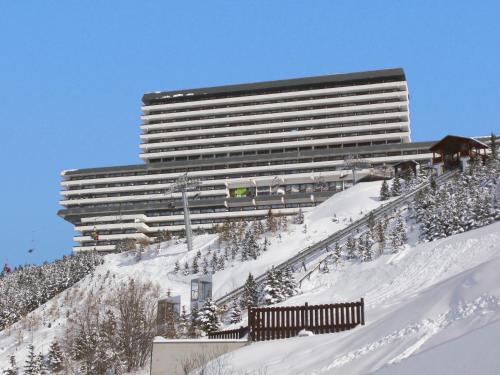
<point>174,357</point>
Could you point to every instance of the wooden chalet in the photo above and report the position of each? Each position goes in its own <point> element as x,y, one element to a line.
<point>454,151</point>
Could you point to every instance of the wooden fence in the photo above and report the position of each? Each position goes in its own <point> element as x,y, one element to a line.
<point>271,323</point>
<point>229,334</point>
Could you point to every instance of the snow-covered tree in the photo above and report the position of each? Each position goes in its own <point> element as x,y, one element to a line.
<point>337,255</point>
<point>183,325</point>
<point>379,234</point>
<point>55,358</point>
<point>366,243</point>
<point>204,266</point>
<point>271,222</point>
<point>235,312</point>
<point>13,369</point>
<point>273,288</point>
<point>396,187</point>
<point>208,318</point>
<point>31,365</point>
<point>351,248</point>
<point>186,269</point>
<point>299,218</point>
<point>384,191</point>
<point>399,236</point>
<point>250,296</point>
<point>177,267</point>
<point>288,283</point>
<point>195,268</point>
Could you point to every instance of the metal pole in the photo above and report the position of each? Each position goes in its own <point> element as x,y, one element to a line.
<point>187,221</point>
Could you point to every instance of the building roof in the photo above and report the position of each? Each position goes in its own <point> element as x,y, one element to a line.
<point>455,143</point>
<point>395,73</point>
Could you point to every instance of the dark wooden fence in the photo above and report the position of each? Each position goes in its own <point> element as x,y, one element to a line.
<point>271,323</point>
<point>229,334</point>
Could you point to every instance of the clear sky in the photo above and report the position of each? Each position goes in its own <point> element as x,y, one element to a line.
<point>72,74</point>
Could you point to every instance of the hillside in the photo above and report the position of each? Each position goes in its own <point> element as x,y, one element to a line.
<point>416,300</point>
<point>430,300</point>
<point>157,265</point>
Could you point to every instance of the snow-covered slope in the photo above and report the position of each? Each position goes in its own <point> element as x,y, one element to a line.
<point>350,204</point>
<point>433,298</point>
<point>157,265</point>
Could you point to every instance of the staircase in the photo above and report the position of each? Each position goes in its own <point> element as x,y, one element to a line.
<point>312,252</point>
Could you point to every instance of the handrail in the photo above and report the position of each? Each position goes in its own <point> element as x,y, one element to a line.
<point>302,256</point>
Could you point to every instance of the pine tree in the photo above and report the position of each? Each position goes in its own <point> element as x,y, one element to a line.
<point>55,358</point>
<point>380,236</point>
<point>235,312</point>
<point>12,369</point>
<point>371,222</point>
<point>250,296</point>
<point>384,191</point>
<point>186,269</point>
<point>271,224</point>
<point>192,331</point>
<point>299,218</point>
<point>208,317</point>
<point>493,146</point>
<point>265,244</point>
<point>41,365</point>
<point>273,288</point>
<point>399,236</point>
<point>221,264</point>
<point>205,265</point>
<point>182,329</point>
<point>351,248</point>
<point>194,267</point>
<point>214,263</point>
<point>31,365</point>
<point>289,285</point>
<point>396,187</point>
<point>337,255</point>
<point>366,247</point>
<point>177,267</point>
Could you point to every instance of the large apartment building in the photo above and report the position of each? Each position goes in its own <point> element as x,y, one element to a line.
<point>279,145</point>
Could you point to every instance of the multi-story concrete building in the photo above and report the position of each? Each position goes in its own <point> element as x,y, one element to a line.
<point>280,145</point>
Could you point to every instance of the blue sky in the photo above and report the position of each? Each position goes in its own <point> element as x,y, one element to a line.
<point>72,74</point>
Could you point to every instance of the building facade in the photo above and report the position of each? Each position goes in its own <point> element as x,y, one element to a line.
<point>279,145</point>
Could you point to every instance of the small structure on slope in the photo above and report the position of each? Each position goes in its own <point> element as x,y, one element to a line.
<point>455,152</point>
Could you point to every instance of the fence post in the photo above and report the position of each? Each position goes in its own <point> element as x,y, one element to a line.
<point>250,324</point>
<point>306,314</point>
<point>362,311</point>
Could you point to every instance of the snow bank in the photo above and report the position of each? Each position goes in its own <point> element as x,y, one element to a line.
<point>421,301</point>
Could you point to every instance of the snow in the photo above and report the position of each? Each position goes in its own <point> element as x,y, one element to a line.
<point>434,298</point>
<point>351,203</point>
<point>430,301</point>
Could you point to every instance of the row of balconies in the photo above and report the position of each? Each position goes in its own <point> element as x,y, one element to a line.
<point>368,118</point>
<point>288,106</point>
<point>274,137</point>
<point>401,85</point>
<point>403,136</point>
<point>291,115</point>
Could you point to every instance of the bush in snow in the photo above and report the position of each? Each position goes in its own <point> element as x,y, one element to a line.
<point>13,369</point>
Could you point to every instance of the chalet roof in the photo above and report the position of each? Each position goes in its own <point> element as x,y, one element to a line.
<point>405,162</point>
<point>455,143</point>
